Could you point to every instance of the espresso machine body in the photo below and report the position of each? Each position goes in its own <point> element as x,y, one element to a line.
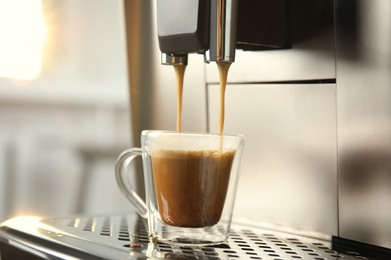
<point>310,90</point>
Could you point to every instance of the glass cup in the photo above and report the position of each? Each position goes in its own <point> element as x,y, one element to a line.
<point>190,185</point>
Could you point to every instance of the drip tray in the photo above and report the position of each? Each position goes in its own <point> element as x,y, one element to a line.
<point>125,237</point>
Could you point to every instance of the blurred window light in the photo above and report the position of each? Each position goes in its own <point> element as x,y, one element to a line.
<point>22,37</point>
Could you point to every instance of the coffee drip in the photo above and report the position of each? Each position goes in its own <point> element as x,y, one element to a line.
<point>223,68</point>
<point>179,72</point>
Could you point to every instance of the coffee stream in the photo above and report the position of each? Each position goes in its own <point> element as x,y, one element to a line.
<point>180,72</point>
<point>223,73</point>
<point>223,68</point>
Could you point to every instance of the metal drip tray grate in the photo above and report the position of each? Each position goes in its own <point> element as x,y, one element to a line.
<point>125,237</point>
<point>242,244</point>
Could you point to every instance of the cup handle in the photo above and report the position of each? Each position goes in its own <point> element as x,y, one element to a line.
<point>121,165</point>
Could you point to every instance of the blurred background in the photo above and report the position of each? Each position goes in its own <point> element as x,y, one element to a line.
<point>64,114</point>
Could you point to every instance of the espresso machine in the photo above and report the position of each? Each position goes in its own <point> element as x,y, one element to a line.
<point>309,87</point>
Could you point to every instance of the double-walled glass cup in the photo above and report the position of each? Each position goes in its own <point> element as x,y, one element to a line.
<point>190,185</point>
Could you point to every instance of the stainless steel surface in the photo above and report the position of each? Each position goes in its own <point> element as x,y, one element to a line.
<point>223,23</point>
<point>125,237</point>
<point>140,37</point>
<point>364,120</point>
<point>289,160</point>
<point>142,74</point>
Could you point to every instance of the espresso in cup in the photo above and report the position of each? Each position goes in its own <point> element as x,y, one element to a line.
<point>191,186</point>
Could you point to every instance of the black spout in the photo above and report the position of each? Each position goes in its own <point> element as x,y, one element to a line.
<point>183,27</point>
